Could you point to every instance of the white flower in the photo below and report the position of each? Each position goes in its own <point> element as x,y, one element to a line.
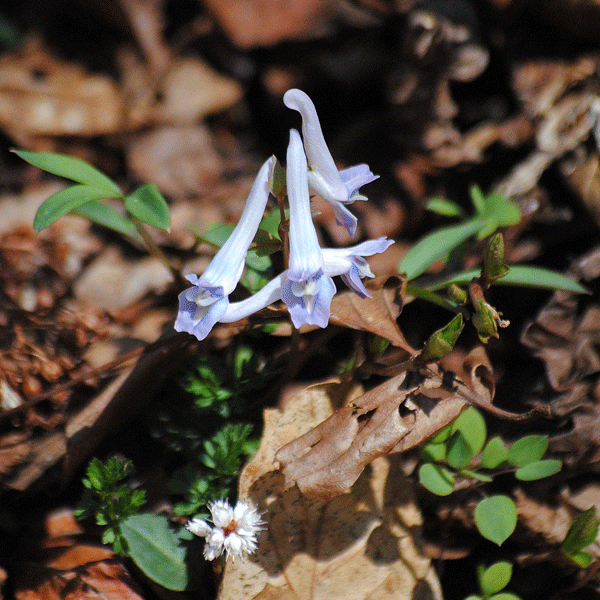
<point>235,529</point>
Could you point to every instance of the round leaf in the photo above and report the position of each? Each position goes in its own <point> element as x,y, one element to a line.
<point>504,596</point>
<point>496,518</point>
<point>538,470</point>
<point>64,202</point>
<point>527,450</point>
<point>494,453</point>
<point>147,204</point>
<point>469,433</point>
<point>433,452</point>
<point>495,578</point>
<point>436,479</point>
<point>156,550</point>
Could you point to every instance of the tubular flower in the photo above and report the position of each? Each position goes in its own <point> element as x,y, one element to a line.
<point>235,529</point>
<point>336,187</point>
<point>203,305</point>
<point>306,289</point>
<point>350,264</point>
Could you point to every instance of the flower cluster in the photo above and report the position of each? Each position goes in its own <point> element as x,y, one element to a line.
<point>306,286</point>
<point>235,529</point>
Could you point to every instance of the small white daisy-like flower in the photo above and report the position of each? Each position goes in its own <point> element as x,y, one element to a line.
<point>235,529</point>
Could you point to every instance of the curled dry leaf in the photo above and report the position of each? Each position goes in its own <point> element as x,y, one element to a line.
<point>377,314</point>
<point>62,564</point>
<point>395,416</point>
<point>360,545</point>
<point>565,336</point>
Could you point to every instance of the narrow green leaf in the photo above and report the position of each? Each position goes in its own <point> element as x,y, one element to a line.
<point>476,475</point>
<point>582,533</point>
<point>581,559</point>
<point>520,276</point>
<point>495,578</point>
<point>538,470</point>
<point>436,479</point>
<point>478,199</point>
<point>147,204</point>
<point>444,207</point>
<point>494,453</point>
<point>156,550</point>
<point>528,449</point>
<point>64,202</point>
<point>108,217</point>
<point>436,245</point>
<point>496,518</point>
<point>73,169</point>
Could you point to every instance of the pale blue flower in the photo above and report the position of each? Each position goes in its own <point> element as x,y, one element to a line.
<point>204,304</point>
<point>345,262</point>
<point>306,290</point>
<point>336,187</point>
<point>350,264</point>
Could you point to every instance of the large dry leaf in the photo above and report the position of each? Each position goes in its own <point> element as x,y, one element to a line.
<point>41,95</point>
<point>377,314</point>
<point>395,416</point>
<point>360,545</point>
<point>250,23</point>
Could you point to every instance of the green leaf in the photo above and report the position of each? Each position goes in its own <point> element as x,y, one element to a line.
<point>520,276</point>
<point>468,437</point>
<point>73,169</point>
<point>528,449</point>
<point>495,578</point>
<point>504,596</point>
<point>478,199</point>
<point>107,216</point>
<point>156,550</point>
<point>582,533</point>
<point>496,518</point>
<point>538,470</point>
<point>436,479</point>
<point>441,342</point>
<point>147,204</point>
<point>444,207</point>
<point>581,559</point>
<point>494,453</point>
<point>64,202</point>
<point>436,245</point>
<point>433,452</point>
<point>476,475</point>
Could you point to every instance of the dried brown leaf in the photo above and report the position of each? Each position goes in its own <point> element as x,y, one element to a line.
<point>360,545</point>
<point>251,23</point>
<point>41,95</point>
<point>61,565</point>
<point>395,416</point>
<point>377,314</point>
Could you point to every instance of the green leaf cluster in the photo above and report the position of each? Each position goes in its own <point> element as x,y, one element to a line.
<point>145,204</point>
<point>582,533</point>
<point>490,213</point>
<point>461,450</point>
<point>492,581</point>
<point>109,502</point>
